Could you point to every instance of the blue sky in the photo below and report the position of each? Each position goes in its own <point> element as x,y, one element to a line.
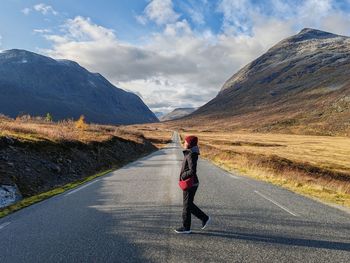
<point>118,15</point>
<point>173,53</point>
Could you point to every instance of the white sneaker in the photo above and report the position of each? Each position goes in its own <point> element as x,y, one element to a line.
<point>205,224</point>
<point>182,230</point>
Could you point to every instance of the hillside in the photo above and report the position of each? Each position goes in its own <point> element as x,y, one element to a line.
<point>300,85</point>
<point>34,84</point>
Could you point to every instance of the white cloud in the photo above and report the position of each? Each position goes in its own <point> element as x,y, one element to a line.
<point>81,28</point>
<point>42,31</point>
<point>180,67</point>
<point>323,15</point>
<point>41,8</point>
<point>26,10</point>
<point>236,15</point>
<point>159,11</point>
<point>336,23</point>
<point>45,9</point>
<point>315,8</point>
<point>141,19</point>
<point>196,10</point>
<point>196,16</point>
<point>177,67</point>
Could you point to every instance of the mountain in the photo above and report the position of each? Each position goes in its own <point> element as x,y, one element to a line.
<point>159,114</point>
<point>177,113</point>
<point>301,85</point>
<point>34,84</point>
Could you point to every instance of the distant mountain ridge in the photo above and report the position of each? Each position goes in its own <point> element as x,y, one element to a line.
<point>302,84</point>
<point>177,113</point>
<point>35,84</point>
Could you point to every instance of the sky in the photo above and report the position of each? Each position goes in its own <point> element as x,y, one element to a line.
<point>172,53</point>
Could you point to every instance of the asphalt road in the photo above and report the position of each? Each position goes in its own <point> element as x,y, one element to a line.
<point>129,216</point>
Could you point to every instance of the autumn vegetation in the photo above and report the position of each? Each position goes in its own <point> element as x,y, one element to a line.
<point>316,166</point>
<point>36,128</point>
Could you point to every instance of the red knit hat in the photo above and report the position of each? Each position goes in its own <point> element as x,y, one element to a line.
<point>191,140</point>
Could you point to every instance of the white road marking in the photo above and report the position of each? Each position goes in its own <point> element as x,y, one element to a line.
<point>4,225</point>
<point>234,176</point>
<point>274,202</point>
<point>82,187</point>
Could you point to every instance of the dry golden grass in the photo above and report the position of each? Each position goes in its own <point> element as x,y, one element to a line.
<point>326,152</point>
<point>156,133</point>
<point>316,166</point>
<point>325,189</point>
<point>34,129</point>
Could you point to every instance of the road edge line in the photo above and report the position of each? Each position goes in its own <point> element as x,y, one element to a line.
<point>3,225</point>
<point>276,203</point>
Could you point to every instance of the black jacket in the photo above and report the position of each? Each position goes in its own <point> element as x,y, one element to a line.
<point>189,164</point>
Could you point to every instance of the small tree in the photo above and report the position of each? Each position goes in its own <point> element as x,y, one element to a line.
<point>23,117</point>
<point>48,117</point>
<point>81,124</point>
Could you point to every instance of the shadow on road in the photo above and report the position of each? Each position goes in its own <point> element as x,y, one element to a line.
<point>290,241</point>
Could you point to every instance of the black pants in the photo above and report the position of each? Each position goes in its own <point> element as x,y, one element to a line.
<point>190,208</point>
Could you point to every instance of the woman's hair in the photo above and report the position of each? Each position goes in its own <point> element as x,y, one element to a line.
<point>191,140</point>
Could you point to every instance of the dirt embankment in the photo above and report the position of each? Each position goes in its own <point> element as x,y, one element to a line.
<point>38,166</point>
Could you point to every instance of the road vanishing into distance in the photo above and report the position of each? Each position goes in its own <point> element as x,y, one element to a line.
<point>129,215</point>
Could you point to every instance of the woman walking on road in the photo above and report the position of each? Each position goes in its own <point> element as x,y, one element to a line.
<point>189,176</point>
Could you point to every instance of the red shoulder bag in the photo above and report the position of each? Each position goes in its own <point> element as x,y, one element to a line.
<point>186,184</point>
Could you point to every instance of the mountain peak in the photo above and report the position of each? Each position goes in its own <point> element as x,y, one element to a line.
<point>19,52</point>
<point>23,56</point>
<point>310,33</point>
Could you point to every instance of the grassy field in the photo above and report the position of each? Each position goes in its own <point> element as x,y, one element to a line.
<point>322,151</point>
<point>316,166</point>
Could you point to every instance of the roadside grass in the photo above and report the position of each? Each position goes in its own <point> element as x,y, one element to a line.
<point>43,196</point>
<point>36,129</point>
<point>156,134</point>
<point>292,180</point>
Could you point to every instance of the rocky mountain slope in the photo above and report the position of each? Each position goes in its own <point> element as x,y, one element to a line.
<point>301,85</point>
<point>34,84</point>
<point>177,113</point>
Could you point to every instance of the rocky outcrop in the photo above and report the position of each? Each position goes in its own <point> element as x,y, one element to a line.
<point>9,194</point>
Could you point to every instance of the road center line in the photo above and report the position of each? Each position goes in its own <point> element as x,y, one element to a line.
<point>274,202</point>
<point>82,187</point>
<point>4,225</point>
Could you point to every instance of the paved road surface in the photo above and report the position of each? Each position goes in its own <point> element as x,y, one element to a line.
<point>129,216</point>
